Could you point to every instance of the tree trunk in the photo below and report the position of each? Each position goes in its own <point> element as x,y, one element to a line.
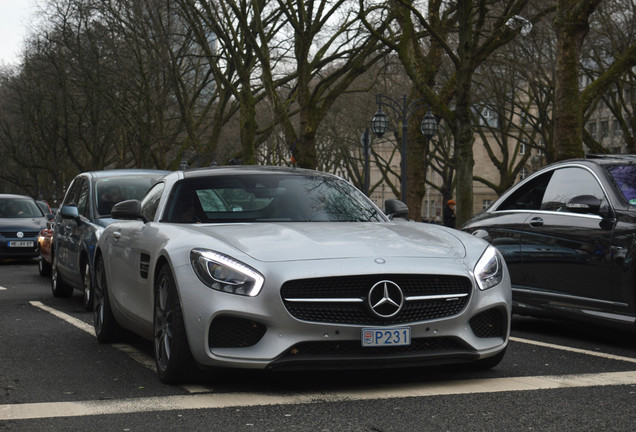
<point>571,24</point>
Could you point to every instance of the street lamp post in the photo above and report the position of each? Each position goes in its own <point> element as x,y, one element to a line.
<point>365,139</point>
<point>404,110</point>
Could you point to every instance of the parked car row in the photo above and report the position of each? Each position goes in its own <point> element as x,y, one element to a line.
<point>281,268</point>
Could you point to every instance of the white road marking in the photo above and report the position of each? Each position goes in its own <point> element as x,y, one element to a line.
<point>202,398</point>
<point>2,288</point>
<point>65,317</point>
<point>575,350</point>
<point>224,400</point>
<point>137,355</point>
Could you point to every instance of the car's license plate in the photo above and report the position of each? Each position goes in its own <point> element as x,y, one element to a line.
<point>386,336</point>
<point>20,244</point>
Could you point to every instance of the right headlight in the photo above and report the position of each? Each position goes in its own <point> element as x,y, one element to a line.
<point>489,269</point>
<point>222,273</point>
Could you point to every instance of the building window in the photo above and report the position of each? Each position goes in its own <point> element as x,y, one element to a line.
<point>523,173</point>
<point>523,147</point>
<point>488,117</point>
<point>604,129</point>
<point>591,128</point>
<point>485,204</point>
<point>616,129</point>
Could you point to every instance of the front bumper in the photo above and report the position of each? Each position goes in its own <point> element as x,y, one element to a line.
<point>227,330</point>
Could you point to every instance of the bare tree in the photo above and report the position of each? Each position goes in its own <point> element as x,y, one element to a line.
<point>481,27</point>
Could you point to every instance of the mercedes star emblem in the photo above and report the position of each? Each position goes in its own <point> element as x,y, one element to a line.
<point>385,299</point>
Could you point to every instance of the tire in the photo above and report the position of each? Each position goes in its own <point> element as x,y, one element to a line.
<point>106,327</point>
<point>58,286</point>
<point>173,357</point>
<point>87,288</point>
<point>44,268</point>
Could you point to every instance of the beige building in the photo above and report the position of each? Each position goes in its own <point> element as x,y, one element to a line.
<point>432,205</point>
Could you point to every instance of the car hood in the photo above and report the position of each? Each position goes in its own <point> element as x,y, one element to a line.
<point>311,241</point>
<point>22,224</point>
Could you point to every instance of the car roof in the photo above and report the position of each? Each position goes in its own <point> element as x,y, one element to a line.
<point>121,172</point>
<point>15,196</point>
<point>611,159</point>
<point>251,169</point>
<point>592,161</point>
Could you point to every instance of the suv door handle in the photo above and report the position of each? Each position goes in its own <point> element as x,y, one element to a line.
<point>536,222</point>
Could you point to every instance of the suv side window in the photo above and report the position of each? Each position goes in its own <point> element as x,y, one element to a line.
<point>150,203</point>
<point>71,194</point>
<point>567,183</point>
<point>82,199</point>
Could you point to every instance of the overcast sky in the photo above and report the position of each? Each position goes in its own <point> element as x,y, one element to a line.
<point>14,22</point>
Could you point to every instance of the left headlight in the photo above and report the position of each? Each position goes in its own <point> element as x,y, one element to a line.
<point>222,273</point>
<point>489,269</point>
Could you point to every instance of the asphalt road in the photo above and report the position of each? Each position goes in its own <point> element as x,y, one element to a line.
<point>55,376</point>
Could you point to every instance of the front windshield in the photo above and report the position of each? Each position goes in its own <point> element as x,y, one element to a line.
<point>269,198</point>
<point>625,178</point>
<point>19,208</point>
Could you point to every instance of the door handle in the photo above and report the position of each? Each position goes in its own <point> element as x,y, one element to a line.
<point>116,235</point>
<point>536,222</point>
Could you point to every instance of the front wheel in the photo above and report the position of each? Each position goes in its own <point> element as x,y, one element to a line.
<point>106,327</point>
<point>172,353</point>
<point>58,286</point>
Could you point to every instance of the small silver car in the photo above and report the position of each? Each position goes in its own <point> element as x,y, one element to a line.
<point>282,268</point>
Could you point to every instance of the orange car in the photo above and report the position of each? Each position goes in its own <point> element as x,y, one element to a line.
<point>44,250</point>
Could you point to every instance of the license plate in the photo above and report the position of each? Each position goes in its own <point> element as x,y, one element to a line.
<point>373,337</point>
<point>20,244</point>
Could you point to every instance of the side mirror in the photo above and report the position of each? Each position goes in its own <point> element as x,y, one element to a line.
<point>128,210</point>
<point>584,204</point>
<point>69,212</point>
<point>396,209</point>
<point>483,234</point>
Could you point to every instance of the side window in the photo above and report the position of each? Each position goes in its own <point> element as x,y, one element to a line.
<point>150,203</point>
<point>567,183</point>
<point>71,195</point>
<point>528,196</point>
<point>82,199</point>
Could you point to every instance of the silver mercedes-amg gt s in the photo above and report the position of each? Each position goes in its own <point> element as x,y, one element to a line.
<point>281,268</point>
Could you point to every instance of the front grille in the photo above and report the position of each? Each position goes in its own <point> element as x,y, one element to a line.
<point>343,300</point>
<point>232,332</point>
<point>490,323</point>
<point>13,234</point>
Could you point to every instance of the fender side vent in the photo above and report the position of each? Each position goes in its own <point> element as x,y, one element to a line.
<point>144,264</point>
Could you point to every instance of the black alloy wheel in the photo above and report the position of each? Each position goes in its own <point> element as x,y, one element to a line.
<point>173,358</point>
<point>106,327</point>
<point>58,286</point>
